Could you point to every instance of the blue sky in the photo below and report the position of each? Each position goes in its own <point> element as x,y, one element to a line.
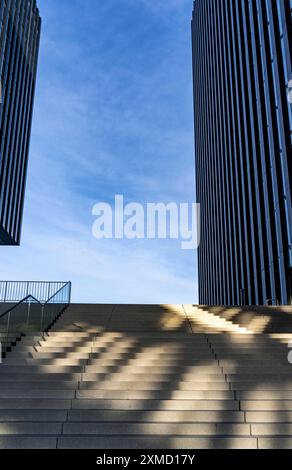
<point>113,115</point>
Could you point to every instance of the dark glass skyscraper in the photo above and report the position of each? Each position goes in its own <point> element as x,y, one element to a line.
<point>20,25</point>
<point>243,124</point>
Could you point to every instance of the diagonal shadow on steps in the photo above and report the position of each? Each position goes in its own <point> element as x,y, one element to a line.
<point>144,331</point>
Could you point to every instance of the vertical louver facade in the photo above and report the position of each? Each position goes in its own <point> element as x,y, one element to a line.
<point>19,44</point>
<point>243,124</point>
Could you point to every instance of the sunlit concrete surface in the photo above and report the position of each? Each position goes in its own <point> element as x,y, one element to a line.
<point>258,319</point>
<point>149,376</point>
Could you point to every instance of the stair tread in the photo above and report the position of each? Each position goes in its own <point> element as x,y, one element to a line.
<point>156,442</point>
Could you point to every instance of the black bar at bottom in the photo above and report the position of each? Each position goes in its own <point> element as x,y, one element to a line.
<point>141,458</point>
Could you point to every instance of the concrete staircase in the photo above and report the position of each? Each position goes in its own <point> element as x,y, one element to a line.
<point>257,319</point>
<point>147,377</point>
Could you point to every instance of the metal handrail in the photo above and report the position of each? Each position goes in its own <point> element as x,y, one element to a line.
<point>9,310</point>
<point>36,282</point>
<point>15,291</point>
<point>49,312</point>
<point>277,303</point>
<point>56,293</point>
<point>8,315</point>
<point>37,301</point>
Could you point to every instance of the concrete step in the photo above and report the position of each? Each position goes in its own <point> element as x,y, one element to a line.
<point>156,416</point>
<point>114,384</point>
<point>24,346</point>
<point>264,395</point>
<point>21,353</point>
<point>249,353</point>
<point>41,394</point>
<point>162,345</point>
<point>34,404</point>
<point>44,385</point>
<point>72,344</point>
<point>266,405</point>
<point>181,343</point>
<point>159,429</point>
<point>175,369</point>
<point>31,338</point>
<point>67,361</point>
<point>258,378</point>
<point>74,361</point>
<point>152,352</point>
<point>26,429</point>
<point>154,394</point>
<point>62,350</point>
<point>174,405</point>
<point>47,362</point>
<point>46,416</point>
<point>229,351</point>
<point>146,357</point>
<point>149,385</point>
<point>254,345</point>
<point>260,385</point>
<point>37,377</point>
<point>268,417</point>
<point>234,340</point>
<point>264,359</point>
<point>23,442</point>
<point>274,429</point>
<point>39,369</point>
<point>39,355</point>
<point>258,369</point>
<point>154,363</point>
<point>163,351</point>
<point>255,362</point>
<point>156,442</point>
<point>154,377</point>
<point>116,335</point>
<point>275,443</point>
<point>65,334</point>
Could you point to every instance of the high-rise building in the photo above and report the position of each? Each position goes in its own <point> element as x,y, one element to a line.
<point>243,131</point>
<point>20,25</point>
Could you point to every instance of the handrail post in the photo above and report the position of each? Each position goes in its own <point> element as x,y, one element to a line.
<point>27,287</point>
<point>70,290</point>
<point>5,291</point>
<point>242,297</point>
<point>42,317</point>
<point>49,291</point>
<point>28,314</point>
<point>8,325</point>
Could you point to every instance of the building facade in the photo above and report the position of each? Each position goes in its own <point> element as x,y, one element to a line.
<point>243,131</point>
<point>20,26</point>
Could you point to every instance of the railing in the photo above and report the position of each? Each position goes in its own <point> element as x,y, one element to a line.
<point>15,291</point>
<point>31,315</point>
<point>271,302</point>
<point>242,297</point>
<point>55,305</point>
